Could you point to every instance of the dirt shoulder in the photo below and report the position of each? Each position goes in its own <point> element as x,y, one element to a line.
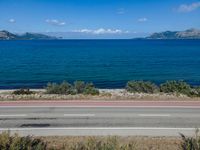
<point>105,94</point>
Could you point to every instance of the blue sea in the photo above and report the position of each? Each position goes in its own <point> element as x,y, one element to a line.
<point>106,63</point>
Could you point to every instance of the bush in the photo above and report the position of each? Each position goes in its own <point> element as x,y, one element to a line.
<point>191,143</point>
<point>79,87</point>
<point>195,92</point>
<point>141,87</point>
<point>176,87</point>
<point>23,92</point>
<point>197,89</point>
<point>90,89</point>
<point>15,142</point>
<point>63,88</point>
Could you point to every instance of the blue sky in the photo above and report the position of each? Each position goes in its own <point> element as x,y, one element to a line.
<point>99,18</point>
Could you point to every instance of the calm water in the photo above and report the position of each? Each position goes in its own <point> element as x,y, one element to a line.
<point>107,63</point>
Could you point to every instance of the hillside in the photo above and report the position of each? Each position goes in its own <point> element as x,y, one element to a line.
<point>5,35</point>
<point>187,34</point>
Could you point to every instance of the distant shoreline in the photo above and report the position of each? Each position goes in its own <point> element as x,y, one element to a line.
<point>108,39</point>
<point>186,34</point>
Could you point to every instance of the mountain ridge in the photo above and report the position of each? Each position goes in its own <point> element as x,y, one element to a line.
<point>187,34</point>
<point>6,35</point>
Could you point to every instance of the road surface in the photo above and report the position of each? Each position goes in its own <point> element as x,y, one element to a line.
<point>80,118</point>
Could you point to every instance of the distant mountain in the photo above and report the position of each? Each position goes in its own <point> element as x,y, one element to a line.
<point>35,36</point>
<point>5,35</point>
<point>188,34</point>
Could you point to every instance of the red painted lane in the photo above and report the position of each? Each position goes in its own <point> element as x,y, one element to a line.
<point>99,103</point>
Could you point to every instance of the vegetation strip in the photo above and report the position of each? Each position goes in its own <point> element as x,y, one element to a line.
<point>80,87</point>
<point>15,142</point>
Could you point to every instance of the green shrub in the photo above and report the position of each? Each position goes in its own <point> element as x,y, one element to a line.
<point>15,142</point>
<point>90,89</point>
<point>23,92</point>
<point>79,87</point>
<point>63,88</point>
<point>176,87</point>
<point>52,88</point>
<point>195,92</point>
<point>141,87</point>
<point>191,143</point>
<point>67,88</point>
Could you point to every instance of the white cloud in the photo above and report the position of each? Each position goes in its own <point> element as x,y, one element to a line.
<point>11,20</point>
<point>142,19</point>
<point>100,31</point>
<point>104,31</point>
<point>55,22</point>
<point>121,11</point>
<point>189,7</point>
<point>83,31</point>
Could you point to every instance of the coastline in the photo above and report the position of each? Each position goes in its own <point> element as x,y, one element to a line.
<point>105,95</point>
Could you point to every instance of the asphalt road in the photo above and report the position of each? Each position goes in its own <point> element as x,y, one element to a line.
<point>112,120</point>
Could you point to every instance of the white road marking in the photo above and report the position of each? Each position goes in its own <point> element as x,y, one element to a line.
<point>79,115</point>
<point>13,115</point>
<point>154,115</point>
<point>98,128</point>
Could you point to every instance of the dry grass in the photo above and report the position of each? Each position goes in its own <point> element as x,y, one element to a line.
<point>140,143</point>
